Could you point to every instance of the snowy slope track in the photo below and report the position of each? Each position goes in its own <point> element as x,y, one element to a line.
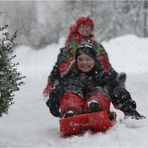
<point>29,123</point>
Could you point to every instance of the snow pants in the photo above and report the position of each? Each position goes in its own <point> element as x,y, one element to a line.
<point>74,98</point>
<point>78,102</point>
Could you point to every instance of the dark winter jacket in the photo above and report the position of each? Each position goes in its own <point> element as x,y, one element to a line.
<point>96,77</point>
<point>80,83</point>
<point>66,58</point>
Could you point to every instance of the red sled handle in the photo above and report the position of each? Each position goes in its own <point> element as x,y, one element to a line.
<point>95,122</point>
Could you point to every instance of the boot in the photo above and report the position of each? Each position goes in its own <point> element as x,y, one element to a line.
<point>93,106</point>
<point>70,113</point>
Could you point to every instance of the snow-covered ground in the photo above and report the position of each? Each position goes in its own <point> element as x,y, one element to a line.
<point>29,123</point>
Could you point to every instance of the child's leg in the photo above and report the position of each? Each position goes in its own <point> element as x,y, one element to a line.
<point>71,103</point>
<point>97,101</point>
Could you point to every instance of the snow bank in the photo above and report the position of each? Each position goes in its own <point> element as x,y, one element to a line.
<point>128,53</point>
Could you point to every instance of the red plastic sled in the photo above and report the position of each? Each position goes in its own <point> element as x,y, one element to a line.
<point>96,122</point>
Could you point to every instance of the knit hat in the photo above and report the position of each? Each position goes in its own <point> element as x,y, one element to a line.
<point>85,21</point>
<point>86,49</point>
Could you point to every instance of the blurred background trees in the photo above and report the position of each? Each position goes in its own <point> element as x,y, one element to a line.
<point>40,23</point>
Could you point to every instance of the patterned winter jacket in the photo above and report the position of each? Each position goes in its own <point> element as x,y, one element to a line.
<point>83,84</point>
<point>66,58</point>
<point>87,81</point>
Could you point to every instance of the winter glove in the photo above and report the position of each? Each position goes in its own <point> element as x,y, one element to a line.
<point>133,114</point>
<point>130,110</point>
<point>47,89</point>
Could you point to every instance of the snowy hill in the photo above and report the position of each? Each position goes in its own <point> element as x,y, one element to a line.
<point>29,123</point>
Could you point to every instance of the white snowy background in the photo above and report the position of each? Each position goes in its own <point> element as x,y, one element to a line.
<point>29,123</point>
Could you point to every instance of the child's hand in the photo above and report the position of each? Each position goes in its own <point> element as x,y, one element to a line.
<point>47,89</point>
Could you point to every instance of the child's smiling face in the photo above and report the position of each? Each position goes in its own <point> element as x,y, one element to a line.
<point>85,63</point>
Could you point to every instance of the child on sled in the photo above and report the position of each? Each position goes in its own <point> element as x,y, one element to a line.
<point>87,88</point>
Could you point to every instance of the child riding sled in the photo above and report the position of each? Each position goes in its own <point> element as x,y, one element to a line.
<point>86,88</point>
<point>83,96</point>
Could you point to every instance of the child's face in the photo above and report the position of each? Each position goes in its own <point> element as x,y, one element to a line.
<point>85,30</point>
<point>85,63</point>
